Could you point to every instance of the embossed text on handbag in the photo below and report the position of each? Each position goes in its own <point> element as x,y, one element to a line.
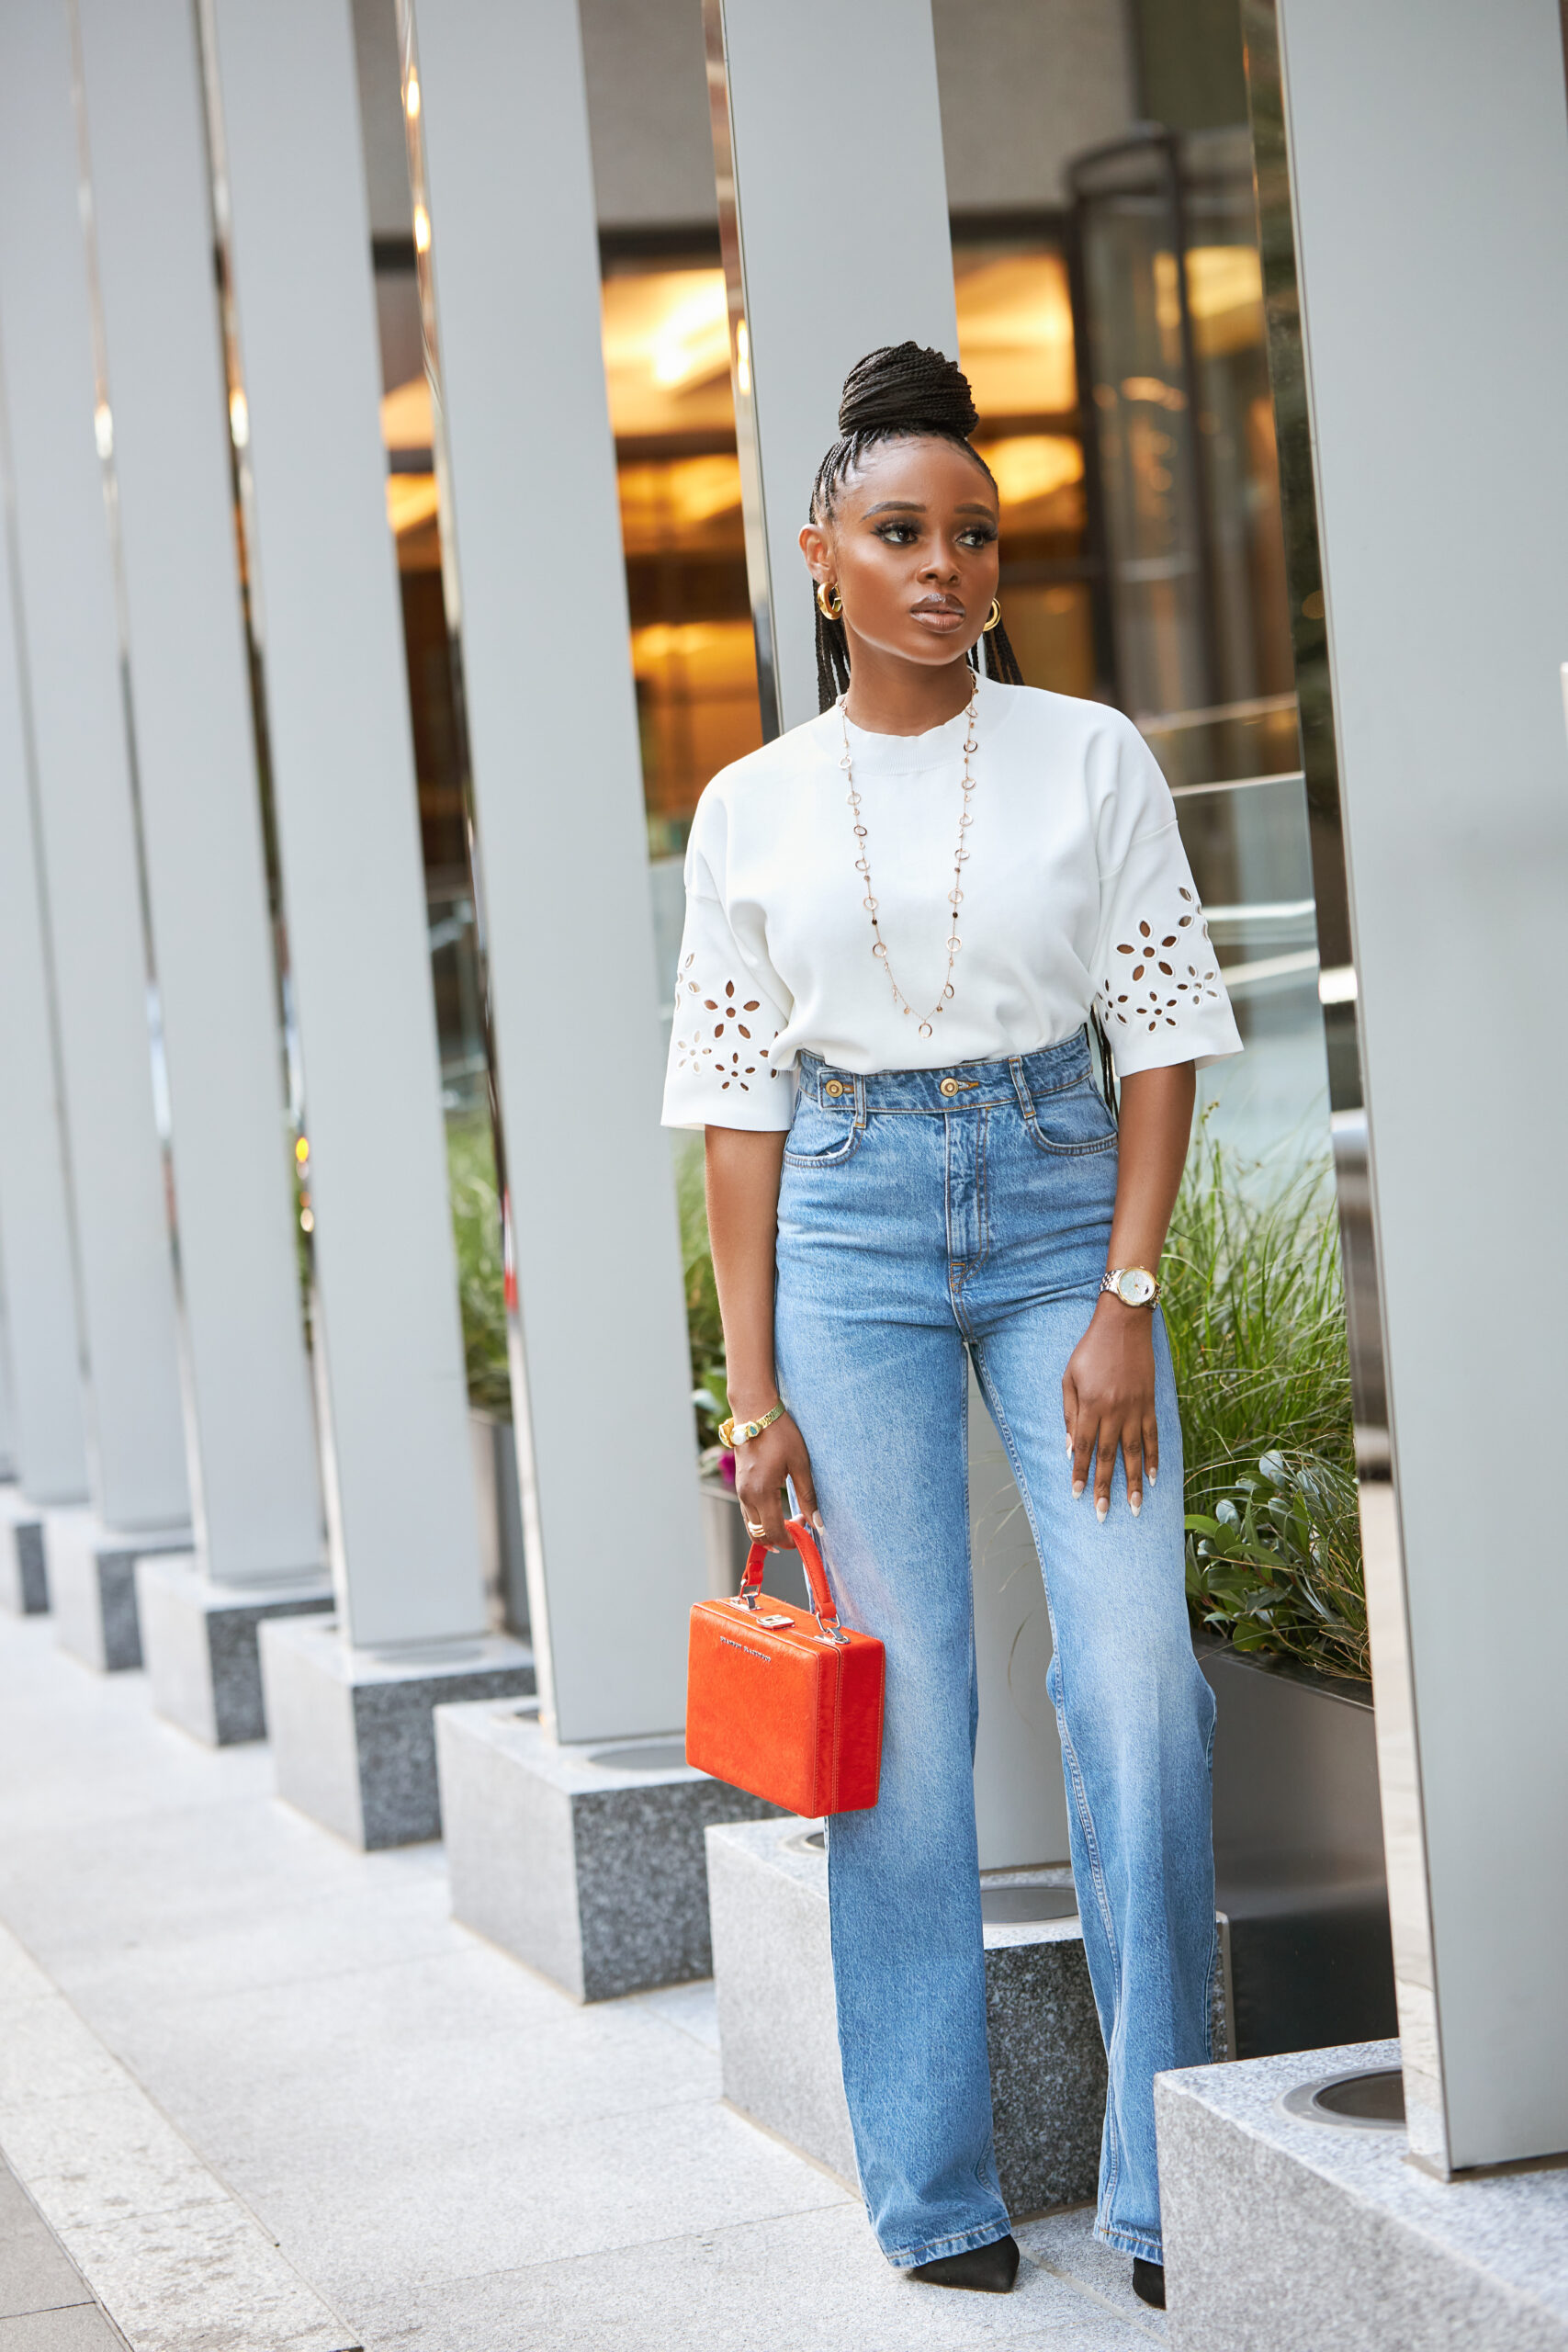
<point>781,1703</point>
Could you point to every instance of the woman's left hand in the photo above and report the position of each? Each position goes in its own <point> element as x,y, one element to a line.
<point>1108,1397</point>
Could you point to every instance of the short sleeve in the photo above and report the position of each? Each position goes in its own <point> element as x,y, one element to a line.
<point>1159,995</point>
<point>730,1010</point>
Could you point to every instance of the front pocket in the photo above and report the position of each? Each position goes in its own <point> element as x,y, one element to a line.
<point>818,1138</point>
<point>1075,1121</point>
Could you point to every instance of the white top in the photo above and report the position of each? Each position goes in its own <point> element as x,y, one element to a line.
<point>1077,891</point>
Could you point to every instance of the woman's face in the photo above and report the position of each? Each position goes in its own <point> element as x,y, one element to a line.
<point>911,548</point>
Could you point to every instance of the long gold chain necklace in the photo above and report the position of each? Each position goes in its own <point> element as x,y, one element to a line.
<point>960,859</point>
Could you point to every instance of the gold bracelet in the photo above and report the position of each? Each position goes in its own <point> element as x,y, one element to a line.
<point>730,1434</point>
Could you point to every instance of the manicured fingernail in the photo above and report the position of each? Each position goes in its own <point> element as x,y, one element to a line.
<point>1078,1488</point>
<point>1154,1476</point>
<point>1135,1504</point>
<point>1101,1506</point>
<point>1069,1445</point>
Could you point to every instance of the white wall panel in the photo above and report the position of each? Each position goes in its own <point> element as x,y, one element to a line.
<point>136,1446</point>
<point>402,1512</point>
<point>47,1439</point>
<point>1429,164</point>
<point>248,1405</point>
<point>616,1550</point>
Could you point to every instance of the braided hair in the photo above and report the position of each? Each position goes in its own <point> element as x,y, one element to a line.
<point>900,392</point>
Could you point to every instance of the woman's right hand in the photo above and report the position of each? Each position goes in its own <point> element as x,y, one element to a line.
<point>762,1466</point>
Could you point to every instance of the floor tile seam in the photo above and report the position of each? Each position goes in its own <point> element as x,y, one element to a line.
<point>88,2299</point>
<point>226,2195</point>
<point>598,2254</point>
<point>282,1984</point>
<point>1092,2295</point>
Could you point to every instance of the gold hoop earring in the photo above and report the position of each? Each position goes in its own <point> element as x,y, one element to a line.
<point>829,604</point>
<point>993,619</point>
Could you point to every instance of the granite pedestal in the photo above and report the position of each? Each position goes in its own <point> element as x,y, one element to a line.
<point>773,1968</point>
<point>586,1863</point>
<point>91,1584</point>
<point>1283,2232</point>
<point>24,1573</point>
<point>198,1640</point>
<point>351,1733</point>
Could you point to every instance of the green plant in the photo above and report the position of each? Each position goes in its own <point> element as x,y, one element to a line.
<point>1277,1564</point>
<point>1254,1306</point>
<point>482,1281</point>
<point>710,1390</point>
<point>1254,1310</point>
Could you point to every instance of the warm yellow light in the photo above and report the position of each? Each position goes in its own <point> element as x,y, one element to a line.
<point>103,430</point>
<point>410,501</point>
<point>407,416</point>
<point>420,229</point>
<point>743,358</point>
<point>674,503</point>
<point>1015,334</point>
<point>1153,388</point>
<point>1033,465</point>
<point>307,1222</point>
<point>302,1151</point>
<point>692,339</point>
<point>411,99</point>
<point>666,342</point>
<point>239,418</point>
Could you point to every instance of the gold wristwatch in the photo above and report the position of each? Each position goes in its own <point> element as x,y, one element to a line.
<point>733,1433</point>
<point>1133,1285</point>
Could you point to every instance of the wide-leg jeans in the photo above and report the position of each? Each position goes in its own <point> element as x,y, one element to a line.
<point>926,1216</point>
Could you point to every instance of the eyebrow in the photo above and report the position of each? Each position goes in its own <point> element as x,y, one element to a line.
<point>916,506</point>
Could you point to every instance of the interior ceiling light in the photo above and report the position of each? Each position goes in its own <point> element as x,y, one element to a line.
<point>103,430</point>
<point>1033,465</point>
<point>410,98</point>
<point>239,418</point>
<point>666,340</point>
<point>693,341</point>
<point>1015,334</point>
<point>420,229</point>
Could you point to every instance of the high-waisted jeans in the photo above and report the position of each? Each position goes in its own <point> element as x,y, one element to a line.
<point>924,1214</point>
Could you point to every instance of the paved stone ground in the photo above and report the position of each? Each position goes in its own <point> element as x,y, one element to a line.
<point>46,2305</point>
<point>272,2099</point>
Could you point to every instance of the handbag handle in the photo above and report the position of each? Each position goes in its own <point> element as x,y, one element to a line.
<point>823,1604</point>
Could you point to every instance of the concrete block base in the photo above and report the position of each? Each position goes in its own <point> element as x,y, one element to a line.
<point>1282,2232</point>
<point>24,1573</point>
<point>773,1968</point>
<point>587,1862</point>
<point>351,1732</point>
<point>92,1582</point>
<point>199,1642</point>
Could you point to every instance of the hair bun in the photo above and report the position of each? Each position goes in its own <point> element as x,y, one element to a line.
<point>905,384</point>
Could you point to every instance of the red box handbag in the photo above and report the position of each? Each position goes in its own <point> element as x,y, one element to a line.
<point>784,1705</point>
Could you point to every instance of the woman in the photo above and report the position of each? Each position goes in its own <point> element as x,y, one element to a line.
<point>899,919</point>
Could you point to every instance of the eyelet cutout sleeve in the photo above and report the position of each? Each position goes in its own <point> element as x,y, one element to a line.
<point>722,1070</point>
<point>1159,995</point>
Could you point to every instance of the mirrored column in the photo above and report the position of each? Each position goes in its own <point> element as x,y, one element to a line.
<point>1444,644</point>
<point>601,1374</point>
<point>137,1449</point>
<point>47,1440</point>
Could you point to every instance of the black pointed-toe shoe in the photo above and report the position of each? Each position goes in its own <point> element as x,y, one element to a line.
<point>1148,2282</point>
<point>985,2270</point>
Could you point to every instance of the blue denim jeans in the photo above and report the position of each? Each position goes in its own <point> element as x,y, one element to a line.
<point>924,1215</point>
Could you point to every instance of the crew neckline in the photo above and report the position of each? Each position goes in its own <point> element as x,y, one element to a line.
<point>891,754</point>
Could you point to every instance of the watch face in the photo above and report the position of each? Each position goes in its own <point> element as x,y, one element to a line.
<point>1135,1288</point>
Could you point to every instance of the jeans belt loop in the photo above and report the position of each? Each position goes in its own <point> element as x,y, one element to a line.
<point>1021,1085</point>
<point>860,1099</point>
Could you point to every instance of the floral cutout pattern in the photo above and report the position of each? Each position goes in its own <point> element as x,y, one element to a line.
<point>721,1021</point>
<point>1164,973</point>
